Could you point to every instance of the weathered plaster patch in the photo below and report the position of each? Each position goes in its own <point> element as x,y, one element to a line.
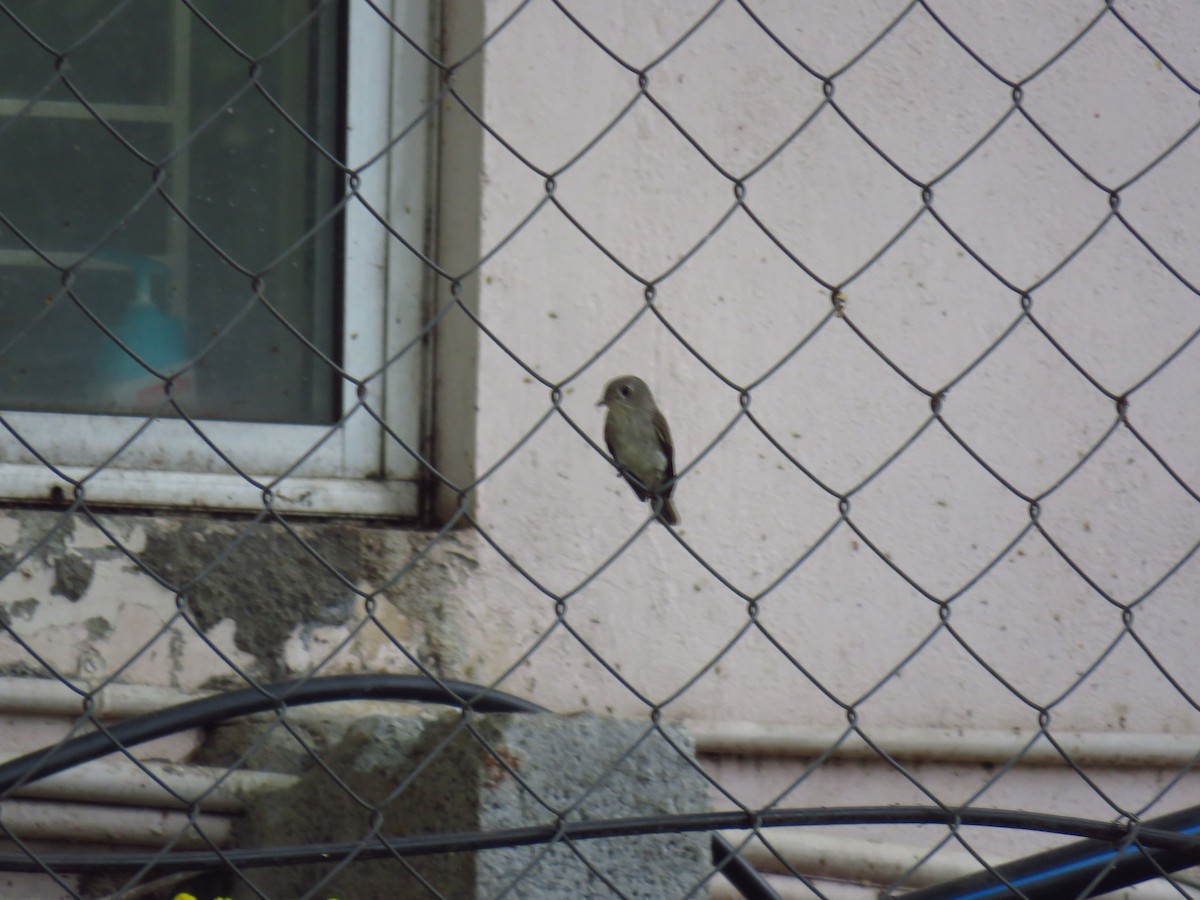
<point>86,536</point>
<point>273,601</point>
<point>18,609</point>
<point>259,576</point>
<point>8,560</point>
<point>196,665</point>
<point>72,576</point>
<point>10,534</point>
<point>98,628</point>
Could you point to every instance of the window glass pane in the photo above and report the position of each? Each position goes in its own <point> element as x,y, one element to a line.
<point>243,192</point>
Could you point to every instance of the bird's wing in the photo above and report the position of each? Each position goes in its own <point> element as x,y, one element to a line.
<point>609,427</point>
<point>668,447</point>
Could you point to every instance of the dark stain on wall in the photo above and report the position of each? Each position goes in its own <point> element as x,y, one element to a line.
<point>261,577</point>
<point>72,576</point>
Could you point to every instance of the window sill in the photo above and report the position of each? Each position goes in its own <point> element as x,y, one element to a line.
<point>123,487</point>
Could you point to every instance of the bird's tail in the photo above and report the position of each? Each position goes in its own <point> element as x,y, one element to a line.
<point>668,513</point>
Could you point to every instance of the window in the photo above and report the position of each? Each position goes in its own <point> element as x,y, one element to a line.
<point>178,188</point>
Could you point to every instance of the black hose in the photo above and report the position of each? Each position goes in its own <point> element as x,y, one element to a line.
<point>421,845</point>
<point>1068,871</point>
<point>208,710</point>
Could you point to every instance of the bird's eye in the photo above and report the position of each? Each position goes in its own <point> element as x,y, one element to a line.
<point>625,390</point>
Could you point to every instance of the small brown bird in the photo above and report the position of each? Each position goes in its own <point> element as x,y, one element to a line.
<point>640,441</point>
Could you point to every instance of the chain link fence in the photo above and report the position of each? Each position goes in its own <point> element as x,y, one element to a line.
<point>914,284</point>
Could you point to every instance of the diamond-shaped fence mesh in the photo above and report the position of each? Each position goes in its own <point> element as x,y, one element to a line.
<point>304,311</point>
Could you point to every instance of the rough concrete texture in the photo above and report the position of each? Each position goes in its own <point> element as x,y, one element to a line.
<point>471,784</point>
<point>275,601</point>
<point>312,731</point>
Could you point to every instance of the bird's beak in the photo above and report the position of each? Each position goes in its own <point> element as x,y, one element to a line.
<point>601,402</point>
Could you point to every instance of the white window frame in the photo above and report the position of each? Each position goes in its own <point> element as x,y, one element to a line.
<point>356,470</point>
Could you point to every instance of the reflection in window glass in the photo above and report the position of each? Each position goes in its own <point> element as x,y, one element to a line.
<point>243,192</point>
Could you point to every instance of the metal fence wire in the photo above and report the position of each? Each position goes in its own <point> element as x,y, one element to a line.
<point>915,285</point>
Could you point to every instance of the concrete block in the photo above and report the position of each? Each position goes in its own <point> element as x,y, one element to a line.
<point>485,773</point>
